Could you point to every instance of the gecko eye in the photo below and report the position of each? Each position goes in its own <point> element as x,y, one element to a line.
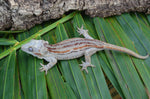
<point>30,49</point>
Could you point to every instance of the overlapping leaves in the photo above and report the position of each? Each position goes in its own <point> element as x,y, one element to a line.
<point>21,78</point>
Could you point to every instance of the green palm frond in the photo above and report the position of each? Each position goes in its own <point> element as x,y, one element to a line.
<point>20,76</point>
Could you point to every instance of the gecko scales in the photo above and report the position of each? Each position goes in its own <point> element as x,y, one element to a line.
<point>70,49</point>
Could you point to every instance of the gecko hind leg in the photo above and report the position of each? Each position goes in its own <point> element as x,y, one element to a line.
<point>84,32</point>
<point>88,54</point>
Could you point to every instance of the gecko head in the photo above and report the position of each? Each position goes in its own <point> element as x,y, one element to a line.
<point>34,47</point>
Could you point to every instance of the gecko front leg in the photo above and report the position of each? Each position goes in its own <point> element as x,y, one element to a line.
<point>52,61</point>
<point>84,32</point>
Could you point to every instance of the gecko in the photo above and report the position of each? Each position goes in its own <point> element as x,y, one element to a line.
<point>71,49</point>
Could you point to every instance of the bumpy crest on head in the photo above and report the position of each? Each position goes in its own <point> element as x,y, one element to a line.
<point>34,47</point>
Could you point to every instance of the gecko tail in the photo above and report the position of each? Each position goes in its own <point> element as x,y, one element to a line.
<point>125,50</point>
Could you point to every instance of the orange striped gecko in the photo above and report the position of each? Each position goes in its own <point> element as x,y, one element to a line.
<point>70,49</point>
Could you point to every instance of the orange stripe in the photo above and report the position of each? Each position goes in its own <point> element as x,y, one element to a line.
<point>60,51</point>
<point>94,46</point>
<point>113,48</point>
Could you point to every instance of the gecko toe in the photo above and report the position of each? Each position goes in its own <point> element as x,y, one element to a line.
<point>43,68</point>
<point>84,68</point>
<point>85,65</point>
<point>92,65</point>
<point>46,72</point>
<point>42,64</point>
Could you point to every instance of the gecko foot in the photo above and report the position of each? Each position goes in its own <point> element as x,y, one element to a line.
<point>82,31</point>
<point>85,65</point>
<point>44,68</point>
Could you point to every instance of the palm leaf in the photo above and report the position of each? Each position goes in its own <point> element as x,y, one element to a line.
<point>21,77</point>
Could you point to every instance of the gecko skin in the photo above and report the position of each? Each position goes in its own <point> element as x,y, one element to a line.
<point>70,49</point>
